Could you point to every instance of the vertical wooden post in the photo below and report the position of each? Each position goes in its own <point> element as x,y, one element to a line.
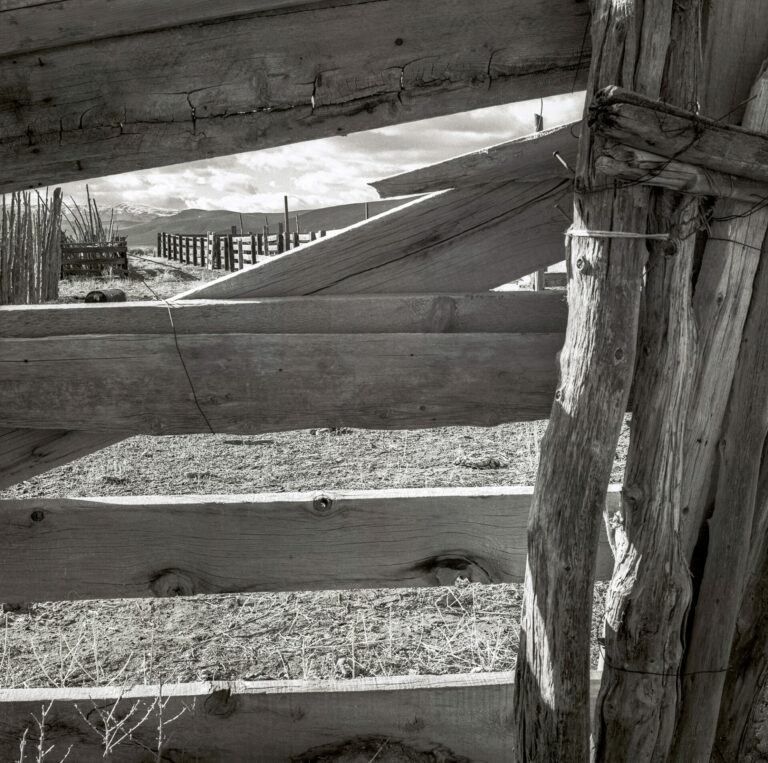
<point>159,244</point>
<point>313,236</point>
<point>194,250</point>
<point>240,257</point>
<point>287,225</point>
<point>209,249</point>
<point>253,249</point>
<point>280,239</point>
<point>366,211</point>
<point>551,692</point>
<point>260,243</point>
<point>265,233</point>
<point>216,262</point>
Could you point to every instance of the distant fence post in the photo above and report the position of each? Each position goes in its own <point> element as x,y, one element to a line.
<point>312,236</point>
<point>253,248</point>
<point>194,250</point>
<point>266,240</point>
<point>159,243</point>
<point>216,258</point>
<point>231,248</point>
<point>209,245</point>
<point>287,225</point>
<point>280,239</point>
<point>240,258</point>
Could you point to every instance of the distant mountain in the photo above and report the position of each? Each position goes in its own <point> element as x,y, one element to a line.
<point>143,231</point>
<point>131,212</point>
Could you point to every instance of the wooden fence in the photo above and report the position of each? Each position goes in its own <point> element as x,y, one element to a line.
<point>228,251</point>
<point>93,259</point>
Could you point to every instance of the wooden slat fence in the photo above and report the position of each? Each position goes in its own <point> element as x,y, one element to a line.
<point>229,251</point>
<point>93,259</point>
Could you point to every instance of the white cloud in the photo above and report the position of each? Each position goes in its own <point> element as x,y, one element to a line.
<point>329,171</point>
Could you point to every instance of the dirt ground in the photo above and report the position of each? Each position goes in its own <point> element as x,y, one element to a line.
<point>333,634</point>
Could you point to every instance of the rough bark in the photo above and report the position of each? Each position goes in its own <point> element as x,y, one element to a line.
<point>630,42</point>
<point>740,453</point>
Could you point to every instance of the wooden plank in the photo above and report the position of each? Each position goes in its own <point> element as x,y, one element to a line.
<point>639,122</point>
<point>84,108</point>
<point>125,547</point>
<point>27,452</point>
<point>469,239</point>
<point>454,717</point>
<point>530,158</point>
<point>489,312</point>
<point>275,382</point>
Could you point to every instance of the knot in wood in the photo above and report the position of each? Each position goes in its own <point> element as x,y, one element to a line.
<point>37,515</point>
<point>173,583</point>
<point>322,503</point>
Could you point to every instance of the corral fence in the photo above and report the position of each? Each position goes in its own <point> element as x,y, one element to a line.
<point>79,259</point>
<point>229,251</point>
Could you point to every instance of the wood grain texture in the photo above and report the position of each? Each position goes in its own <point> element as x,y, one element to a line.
<point>85,108</point>
<point>529,159</point>
<point>631,164</point>
<point>577,452</point>
<point>628,118</point>
<point>27,452</point>
<point>741,438</point>
<point>99,548</point>
<point>469,239</point>
<point>721,301</point>
<point>254,383</point>
<point>650,591</point>
<point>457,717</point>
<point>484,312</point>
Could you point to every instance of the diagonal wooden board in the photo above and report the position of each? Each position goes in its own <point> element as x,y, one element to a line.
<point>95,87</point>
<point>122,547</point>
<point>530,158</point>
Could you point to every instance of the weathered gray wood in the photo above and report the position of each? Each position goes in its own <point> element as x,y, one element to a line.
<point>98,548</point>
<point>650,590</point>
<point>458,717</point>
<point>82,107</point>
<point>735,45</point>
<point>486,312</point>
<point>469,239</point>
<point>27,452</point>
<point>740,451</point>
<point>597,362</point>
<point>640,122</point>
<point>633,165</point>
<point>529,159</point>
<point>274,382</point>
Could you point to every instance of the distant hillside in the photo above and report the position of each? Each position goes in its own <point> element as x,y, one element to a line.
<point>220,221</point>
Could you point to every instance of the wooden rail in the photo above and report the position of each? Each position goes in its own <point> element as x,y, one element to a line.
<point>96,548</point>
<point>409,371</point>
<point>229,251</point>
<point>454,717</point>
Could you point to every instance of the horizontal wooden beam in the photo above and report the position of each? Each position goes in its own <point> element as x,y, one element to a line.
<point>530,159</point>
<point>636,166</point>
<point>639,122</point>
<point>99,548</point>
<point>254,383</point>
<point>484,312</point>
<point>453,717</point>
<point>469,239</point>
<point>75,103</point>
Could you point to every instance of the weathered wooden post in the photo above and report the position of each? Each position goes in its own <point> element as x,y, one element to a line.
<point>597,363</point>
<point>287,245</point>
<point>280,239</point>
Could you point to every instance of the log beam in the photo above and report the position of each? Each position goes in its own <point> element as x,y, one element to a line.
<point>632,119</point>
<point>99,548</point>
<point>213,373</point>
<point>636,166</point>
<point>75,104</point>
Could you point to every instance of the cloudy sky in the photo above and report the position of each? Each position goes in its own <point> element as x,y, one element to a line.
<point>324,172</point>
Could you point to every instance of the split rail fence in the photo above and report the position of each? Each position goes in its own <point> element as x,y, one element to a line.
<point>229,251</point>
